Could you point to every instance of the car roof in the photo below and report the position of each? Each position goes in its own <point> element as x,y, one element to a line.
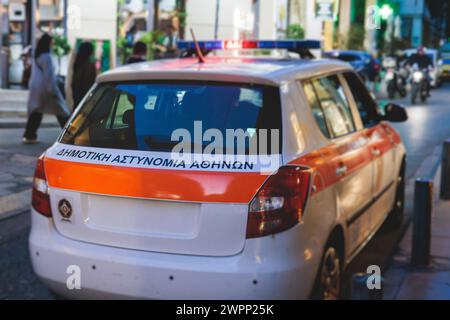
<point>350,52</point>
<point>265,71</point>
<point>414,50</point>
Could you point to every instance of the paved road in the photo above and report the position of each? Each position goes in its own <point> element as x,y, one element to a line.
<point>428,126</point>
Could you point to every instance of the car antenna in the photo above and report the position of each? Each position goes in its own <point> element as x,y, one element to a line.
<point>201,58</point>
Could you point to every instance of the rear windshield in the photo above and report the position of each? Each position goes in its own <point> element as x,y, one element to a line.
<point>144,116</point>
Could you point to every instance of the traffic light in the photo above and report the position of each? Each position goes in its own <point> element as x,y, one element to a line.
<point>386,11</point>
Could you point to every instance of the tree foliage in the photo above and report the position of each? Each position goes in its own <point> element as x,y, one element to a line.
<point>61,46</point>
<point>295,31</point>
<point>355,39</point>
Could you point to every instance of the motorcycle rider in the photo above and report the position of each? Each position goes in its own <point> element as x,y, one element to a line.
<point>423,62</point>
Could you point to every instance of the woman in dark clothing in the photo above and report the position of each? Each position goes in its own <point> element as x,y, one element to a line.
<point>44,96</point>
<point>84,72</point>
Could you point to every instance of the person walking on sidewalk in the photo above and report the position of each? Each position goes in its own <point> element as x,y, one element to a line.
<point>44,96</point>
<point>84,72</point>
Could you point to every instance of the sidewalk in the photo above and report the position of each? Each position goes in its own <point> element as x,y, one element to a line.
<point>406,282</point>
<point>17,163</point>
<point>13,101</point>
<point>13,110</point>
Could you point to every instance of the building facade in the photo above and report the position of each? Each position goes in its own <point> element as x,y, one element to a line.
<point>413,13</point>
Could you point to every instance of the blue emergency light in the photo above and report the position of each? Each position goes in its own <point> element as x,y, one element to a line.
<point>291,45</point>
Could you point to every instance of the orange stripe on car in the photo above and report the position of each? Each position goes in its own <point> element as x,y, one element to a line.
<point>198,186</point>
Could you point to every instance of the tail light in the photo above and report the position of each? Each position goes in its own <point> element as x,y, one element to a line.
<point>280,202</point>
<point>40,196</point>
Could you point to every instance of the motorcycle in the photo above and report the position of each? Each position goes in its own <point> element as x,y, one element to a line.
<point>419,84</point>
<point>395,82</point>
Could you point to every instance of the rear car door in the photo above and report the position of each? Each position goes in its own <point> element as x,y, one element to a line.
<point>348,158</point>
<point>381,142</point>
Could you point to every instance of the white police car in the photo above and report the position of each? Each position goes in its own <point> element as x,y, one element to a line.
<point>149,193</point>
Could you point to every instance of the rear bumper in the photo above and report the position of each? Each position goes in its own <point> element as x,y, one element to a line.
<point>268,268</point>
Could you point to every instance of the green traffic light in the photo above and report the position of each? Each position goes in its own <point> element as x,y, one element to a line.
<point>386,11</point>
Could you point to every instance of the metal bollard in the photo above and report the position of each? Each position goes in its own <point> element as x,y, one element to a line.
<point>421,237</point>
<point>4,57</point>
<point>445,171</point>
<point>360,290</point>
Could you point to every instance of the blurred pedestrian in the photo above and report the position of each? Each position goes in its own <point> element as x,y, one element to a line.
<point>84,72</point>
<point>139,53</point>
<point>131,36</point>
<point>44,96</point>
<point>26,57</point>
<point>171,42</point>
<point>168,48</point>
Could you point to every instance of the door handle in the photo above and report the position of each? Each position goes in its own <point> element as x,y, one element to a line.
<point>341,170</point>
<point>376,152</point>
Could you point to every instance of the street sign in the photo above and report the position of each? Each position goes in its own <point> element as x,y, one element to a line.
<point>16,12</point>
<point>325,9</point>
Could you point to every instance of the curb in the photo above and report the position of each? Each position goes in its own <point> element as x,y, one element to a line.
<point>392,239</point>
<point>432,164</point>
<point>21,125</point>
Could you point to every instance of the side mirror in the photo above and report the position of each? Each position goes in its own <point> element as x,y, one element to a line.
<point>395,113</point>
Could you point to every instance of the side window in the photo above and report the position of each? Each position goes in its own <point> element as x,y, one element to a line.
<point>367,107</point>
<point>123,105</point>
<point>334,105</point>
<point>116,115</point>
<point>316,108</point>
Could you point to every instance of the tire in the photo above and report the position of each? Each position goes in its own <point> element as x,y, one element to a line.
<point>328,282</point>
<point>424,91</point>
<point>414,91</point>
<point>391,90</point>
<point>423,95</point>
<point>402,93</point>
<point>396,215</point>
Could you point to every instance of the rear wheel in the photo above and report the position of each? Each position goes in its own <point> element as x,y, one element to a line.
<point>395,217</point>
<point>329,278</point>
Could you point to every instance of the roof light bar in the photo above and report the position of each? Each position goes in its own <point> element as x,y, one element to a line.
<point>251,44</point>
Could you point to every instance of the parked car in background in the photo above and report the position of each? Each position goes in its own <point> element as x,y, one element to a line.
<point>444,62</point>
<point>434,73</point>
<point>363,62</point>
